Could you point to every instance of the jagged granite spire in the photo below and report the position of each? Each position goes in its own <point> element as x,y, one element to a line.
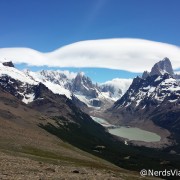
<point>162,67</point>
<point>145,74</point>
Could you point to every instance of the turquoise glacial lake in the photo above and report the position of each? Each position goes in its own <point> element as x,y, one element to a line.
<point>130,133</point>
<point>137,134</point>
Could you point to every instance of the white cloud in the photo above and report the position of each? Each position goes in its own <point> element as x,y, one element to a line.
<point>134,55</point>
<point>177,72</point>
<point>119,83</point>
<point>23,55</point>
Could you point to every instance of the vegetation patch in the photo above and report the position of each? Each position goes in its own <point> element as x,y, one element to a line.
<point>57,158</point>
<point>88,138</point>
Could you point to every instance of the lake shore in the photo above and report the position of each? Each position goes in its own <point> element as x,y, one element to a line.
<point>149,126</point>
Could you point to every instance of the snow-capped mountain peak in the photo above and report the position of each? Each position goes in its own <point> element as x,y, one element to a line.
<point>56,81</point>
<point>154,89</point>
<point>162,67</point>
<point>17,82</point>
<point>73,85</point>
<point>15,74</point>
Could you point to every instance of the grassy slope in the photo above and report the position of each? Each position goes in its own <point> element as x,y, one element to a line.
<point>21,138</point>
<point>78,129</point>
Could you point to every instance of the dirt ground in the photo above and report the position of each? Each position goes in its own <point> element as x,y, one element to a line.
<point>17,168</point>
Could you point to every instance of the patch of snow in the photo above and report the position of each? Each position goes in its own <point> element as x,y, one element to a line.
<point>127,104</point>
<point>108,95</point>
<point>158,78</point>
<point>28,98</point>
<point>167,81</point>
<point>39,98</point>
<point>173,88</point>
<point>173,100</point>
<point>152,89</point>
<point>57,89</point>
<point>146,88</point>
<point>138,102</point>
<point>83,99</point>
<point>16,74</point>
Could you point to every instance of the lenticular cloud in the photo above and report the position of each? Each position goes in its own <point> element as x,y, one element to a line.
<point>135,55</point>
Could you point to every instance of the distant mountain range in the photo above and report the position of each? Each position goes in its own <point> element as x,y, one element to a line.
<point>74,86</point>
<point>154,89</point>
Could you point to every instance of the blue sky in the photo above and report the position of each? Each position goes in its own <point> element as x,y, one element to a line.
<point>46,25</point>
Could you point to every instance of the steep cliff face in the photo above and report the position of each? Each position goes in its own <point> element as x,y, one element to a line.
<point>162,67</point>
<point>83,85</point>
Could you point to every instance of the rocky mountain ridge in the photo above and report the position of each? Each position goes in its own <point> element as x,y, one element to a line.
<point>20,84</point>
<point>160,68</point>
<point>152,91</point>
<point>153,88</point>
<point>79,86</point>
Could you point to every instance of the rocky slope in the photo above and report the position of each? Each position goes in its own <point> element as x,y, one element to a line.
<point>21,167</point>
